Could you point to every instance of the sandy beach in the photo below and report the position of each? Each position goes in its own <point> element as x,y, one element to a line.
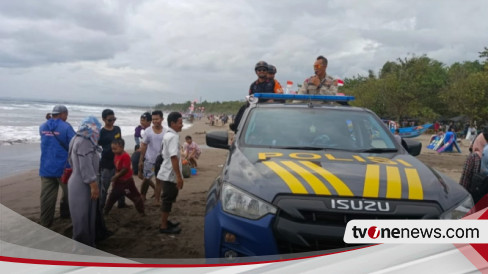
<point>138,237</point>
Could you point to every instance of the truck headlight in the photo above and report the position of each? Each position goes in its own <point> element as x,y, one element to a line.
<point>237,202</point>
<point>460,210</point>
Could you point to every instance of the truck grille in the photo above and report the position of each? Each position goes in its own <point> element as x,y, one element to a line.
<point>307,223</point>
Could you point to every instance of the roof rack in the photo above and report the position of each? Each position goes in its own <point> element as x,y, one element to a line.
<point>305,97</point>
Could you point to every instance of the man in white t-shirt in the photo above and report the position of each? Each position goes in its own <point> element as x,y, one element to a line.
<point>397,136</point>
<point>150,149</point>
<point>170,173</point>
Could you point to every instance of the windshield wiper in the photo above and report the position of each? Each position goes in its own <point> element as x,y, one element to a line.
<point>302,148</point>
<point>379,150</point>
<point>316,148</point>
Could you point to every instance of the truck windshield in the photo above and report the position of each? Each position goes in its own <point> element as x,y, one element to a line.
<point>316,128</point>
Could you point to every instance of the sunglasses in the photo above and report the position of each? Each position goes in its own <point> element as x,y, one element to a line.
<point>111,120</point>
<point>261,70</point>
<point>318,66</point>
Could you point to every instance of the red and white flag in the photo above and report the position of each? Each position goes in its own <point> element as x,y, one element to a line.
<point>289,84</point>
<point>340,82</point>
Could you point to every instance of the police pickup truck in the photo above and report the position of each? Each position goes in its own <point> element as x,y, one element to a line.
<point>296,173</point>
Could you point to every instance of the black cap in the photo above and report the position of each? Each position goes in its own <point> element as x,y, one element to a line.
<point>271,69</point>
<point>147,116</point>
<point>261,64</point>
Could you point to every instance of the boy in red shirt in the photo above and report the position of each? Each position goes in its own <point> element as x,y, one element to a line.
<point>122,181</point>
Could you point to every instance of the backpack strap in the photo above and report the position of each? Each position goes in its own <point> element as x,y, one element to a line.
<point>59,141</point>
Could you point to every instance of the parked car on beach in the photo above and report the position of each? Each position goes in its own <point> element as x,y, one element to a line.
<point>296,173</point>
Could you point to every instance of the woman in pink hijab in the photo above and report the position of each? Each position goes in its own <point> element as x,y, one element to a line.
<point>480,142</point>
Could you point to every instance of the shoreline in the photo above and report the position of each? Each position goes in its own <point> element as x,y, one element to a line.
<point>19,158</point>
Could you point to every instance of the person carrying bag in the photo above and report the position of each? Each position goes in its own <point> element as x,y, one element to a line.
<point>67,168</point>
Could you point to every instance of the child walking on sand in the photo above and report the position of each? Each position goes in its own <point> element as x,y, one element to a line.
<point>122,181</point>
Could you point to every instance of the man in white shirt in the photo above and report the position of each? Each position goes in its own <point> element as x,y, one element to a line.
<point>170,173</point>
<point>397,136</point>
<point>150,149</point>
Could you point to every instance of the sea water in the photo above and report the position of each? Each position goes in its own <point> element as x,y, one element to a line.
<point>20,121</point>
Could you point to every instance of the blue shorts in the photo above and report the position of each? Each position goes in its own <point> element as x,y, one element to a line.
<point>148,170</point>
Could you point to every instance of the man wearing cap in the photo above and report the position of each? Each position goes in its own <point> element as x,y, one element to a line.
<point>56,134</point>
<point>271,77</point>
<point>144,122</point>
<point>262,84</point>
<point>320,83</point>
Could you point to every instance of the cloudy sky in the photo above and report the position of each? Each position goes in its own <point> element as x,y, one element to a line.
<point>146,52</point>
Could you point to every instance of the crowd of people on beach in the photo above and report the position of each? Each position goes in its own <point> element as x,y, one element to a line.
<point>87,163</point>
<point>219,120</point>
<point>94,158</point>
<point>469,130</point>
<point>474,177</point>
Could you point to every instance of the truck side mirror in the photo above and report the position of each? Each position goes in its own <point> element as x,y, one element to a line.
<point>413,147</point>
<point>218,139</point>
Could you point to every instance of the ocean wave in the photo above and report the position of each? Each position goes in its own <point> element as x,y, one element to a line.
<point>7,108</point>
<point>21,105</point>
<point>19,126</point>
<point>19,134</point>
<point>18,141</point>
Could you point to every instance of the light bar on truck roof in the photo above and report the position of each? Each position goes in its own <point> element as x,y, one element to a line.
<point>305,97</point>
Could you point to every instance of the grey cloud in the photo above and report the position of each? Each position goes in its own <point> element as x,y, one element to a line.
<point>90,14</point>
<point>174,51</point>
<point>44,32</point>
<point>32,47</point>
